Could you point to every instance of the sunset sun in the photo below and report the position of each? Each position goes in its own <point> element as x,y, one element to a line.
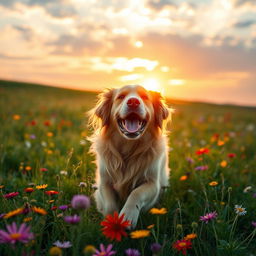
<point>152,84</point>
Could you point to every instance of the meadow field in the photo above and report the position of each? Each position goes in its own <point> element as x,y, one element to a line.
<point>209,208</point>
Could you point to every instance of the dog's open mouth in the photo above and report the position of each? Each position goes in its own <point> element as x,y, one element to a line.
<point>132,125</point>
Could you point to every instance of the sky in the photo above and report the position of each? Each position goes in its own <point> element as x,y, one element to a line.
<point>194,50</point>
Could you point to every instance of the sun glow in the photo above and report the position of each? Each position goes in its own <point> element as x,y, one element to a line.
<point>152,84</point>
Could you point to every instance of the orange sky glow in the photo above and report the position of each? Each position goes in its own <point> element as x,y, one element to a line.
<point>196,50</point>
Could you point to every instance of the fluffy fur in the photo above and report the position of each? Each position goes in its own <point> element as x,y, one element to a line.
<point>131,171</point>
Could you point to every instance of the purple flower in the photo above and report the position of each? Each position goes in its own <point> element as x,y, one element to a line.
<point>209,216</point>
<point>104,251</point>
<point>80,202</point>
<point>15,234</point>
<point>2,215</point>
<point>32,136</point>
<point>254,195</point>
<point>190,160</point>
<point>72,219</point>
<point>156,247</point>
<point>254,223</point>
<point>63,207</point>
<point>132,252</point>
<point>63,245</point>
<point>201,168</point>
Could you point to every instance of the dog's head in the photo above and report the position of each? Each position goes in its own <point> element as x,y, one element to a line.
<point>132,110</point>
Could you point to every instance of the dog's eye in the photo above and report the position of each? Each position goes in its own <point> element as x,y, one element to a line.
<point>144,97</point>
<point>121,96</point>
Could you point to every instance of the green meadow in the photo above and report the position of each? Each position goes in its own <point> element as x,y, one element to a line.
<point>44,141</point>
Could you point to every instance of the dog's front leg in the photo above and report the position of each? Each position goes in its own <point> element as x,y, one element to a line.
<point>143,196</point>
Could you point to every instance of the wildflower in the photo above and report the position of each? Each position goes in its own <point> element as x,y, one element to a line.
<point>43,170</point>
<point>72,219</point>
<point>89,249</point>
<point>13,213</point>
<point>47,123</point>
<point>63,172</point>
<point>183,177</point>
<point>15,234</point>
<point>209,216</point>
<point>28,168</point>
<point>16,117</point>
<point>254,224</point>
<point>201,168</point>
<point>51,201</point>
<point>139,233</point>
<point>132,252</point>
<point>63,207</point>
<point>51,192</point>
<point>44,186</point>
<point>82,184</point>
<point>104,251</point>
<point>53,208</point>
<point>39,210</point>
<point>80,202</point>
<point>158,211</point>
<point>114,226</point>
<point>239,210</point>
<point>247,189</point>
<point>182,245</point>
<point>223,163</point>
<point>49,134</point>
<point>202,151</point>
<point>28,219</point>
<point>155,248</point>
<point>190,236</point>
<point>213,183</point>
<point>231,155</point>
<point>221,142</point>
<point>55,251</point>
<point>29,190</point>
<point>190,160</point>
<point>1,186</point>
<point>11,195</point>
<point>63,245</point>
<point>150,226</point>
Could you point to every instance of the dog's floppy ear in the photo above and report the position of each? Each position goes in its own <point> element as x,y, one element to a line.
<point>160,108</point>
<point>103,108</point>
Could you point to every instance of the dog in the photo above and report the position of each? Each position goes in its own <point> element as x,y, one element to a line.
<point>131,150</point>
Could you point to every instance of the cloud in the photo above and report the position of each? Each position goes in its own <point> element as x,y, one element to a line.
<point>25,31</point>
<point>244,2</point>
<point>160,4</point>
<point>244,24</point>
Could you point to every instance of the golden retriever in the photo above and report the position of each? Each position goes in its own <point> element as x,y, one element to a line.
<point>131,150</point>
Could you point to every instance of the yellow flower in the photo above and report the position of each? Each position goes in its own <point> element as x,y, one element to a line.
<point>13,213</point>
<point>213,183</point>
<point>222,203</point>
<point>51,201</point>
<point>183,177</point>
<point>28,219</point>
<point>89,249</point>
<point>223,163</point>
<point>190,236</point>
<point>150,226</point>
<point>28,168</point>
<point>16,117</point>
<point>49,134</point>
<point>39,210</point>
<point>158,211</point>
<point>55,251</point>
<point>139,233</point>
<point>42,186</point>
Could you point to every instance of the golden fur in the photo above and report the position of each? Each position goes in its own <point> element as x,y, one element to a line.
<point>130,172</point>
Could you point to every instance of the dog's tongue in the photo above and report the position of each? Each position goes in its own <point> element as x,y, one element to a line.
<point>132,125</point>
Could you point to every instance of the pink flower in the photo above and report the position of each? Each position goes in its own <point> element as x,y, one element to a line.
<point>209,216</point>
<point>104,251</point>
<point>80,202</point>
<point>15,234</point>
<point>11,195</point>
<point>72,219</point>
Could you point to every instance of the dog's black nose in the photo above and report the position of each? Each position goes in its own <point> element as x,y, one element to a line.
<point>133,103</point>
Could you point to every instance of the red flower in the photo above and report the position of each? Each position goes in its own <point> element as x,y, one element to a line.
<point>231,155</point>
<point>47,123</point>
<point>114,226</point>
<point>11,195</point>
<point>43,169</point>
<point>33,122</point>
<point>202,151</point>
<point>51,192</point>
<point>28,190</point>
<point>182,245</point>
<point>54,208</point>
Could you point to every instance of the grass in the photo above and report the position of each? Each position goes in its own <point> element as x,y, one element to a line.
<point>45,127</point>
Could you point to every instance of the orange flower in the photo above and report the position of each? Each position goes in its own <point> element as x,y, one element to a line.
<point>49,134</point>
<point>158,211</point>
<point>42,186</point>
<point>213,183</point>
<point>190,236</point>
<point>13,213</point>
<point>51,192</point>
<point>140,233</point>
<point>29,190</point>
<point>183,177</point>
<point>28,168</point>
<point>39,210</point>
<point>223,163</point>
<point>16,117</point>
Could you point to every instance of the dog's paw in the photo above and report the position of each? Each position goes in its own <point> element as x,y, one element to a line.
<point>132,215</point>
